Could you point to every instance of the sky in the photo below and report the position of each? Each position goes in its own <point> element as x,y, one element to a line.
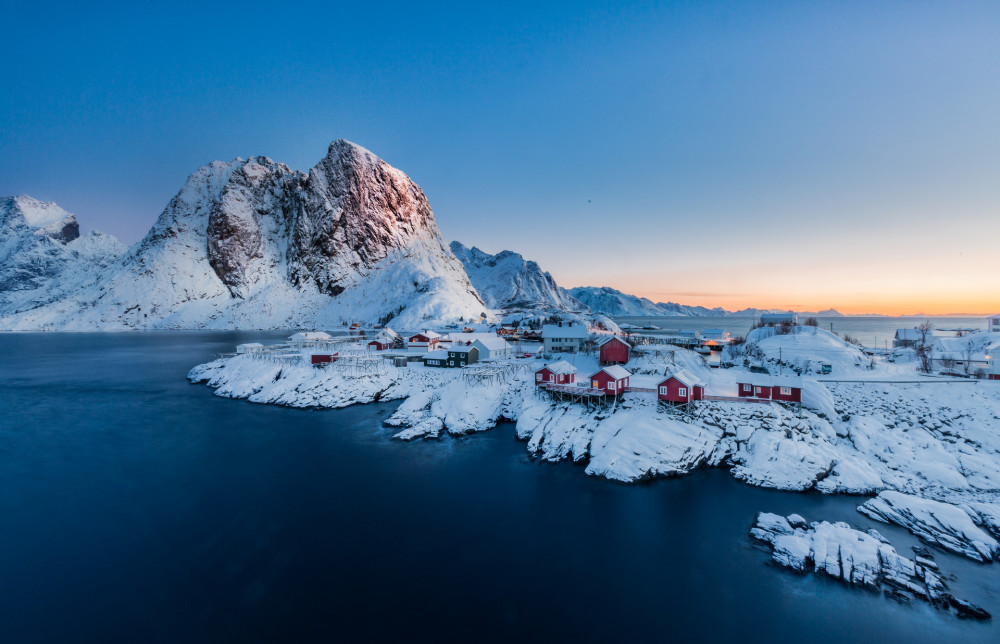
<point>766,154</point>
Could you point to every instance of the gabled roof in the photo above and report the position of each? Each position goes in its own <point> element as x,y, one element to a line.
<point>306,336</point>
<point>460,349</point>
<point>615,371</point>
<point>437,354</point>
<point>908,334</point>
<point>994,317</point>
<point>613,337</point>
<point>686,377</point>
<point>764,380</point>
<point>492,344</point>
<point>561,367</point>
<point>567,330</point>
<point>430,335</point>
<point>386,335</point>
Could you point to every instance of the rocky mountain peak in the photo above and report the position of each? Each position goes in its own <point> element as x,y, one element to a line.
<point>45,219</point>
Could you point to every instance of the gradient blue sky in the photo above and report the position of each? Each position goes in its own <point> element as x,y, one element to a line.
<point>804,154</point>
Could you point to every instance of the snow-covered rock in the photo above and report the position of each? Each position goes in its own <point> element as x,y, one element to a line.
<point>42,255</point>
<point>254,244</point>
<point>938,523</point>
<point>507,280</point>
<point>863,559</point>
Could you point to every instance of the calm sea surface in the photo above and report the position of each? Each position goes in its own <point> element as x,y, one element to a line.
<point>869,330</point>
<point>139,508</point>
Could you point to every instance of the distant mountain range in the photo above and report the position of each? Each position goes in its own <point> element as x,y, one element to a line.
<point>252,243</point>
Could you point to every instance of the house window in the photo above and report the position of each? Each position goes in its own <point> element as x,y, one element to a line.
<point>538,377</point>
<point>451,363</point>
<point>552,378</point>
<point>757,390</point>
<point>682,391</point>
<point>786,391</point>
<point>663,391</point>
<point>611,385</point>
<point>746,387</point>
<point>595,385</point>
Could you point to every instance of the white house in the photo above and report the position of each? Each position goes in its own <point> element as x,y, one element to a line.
<point>495,348</point>
<point>993,324</point>
<point>307,339</point>
<point>993,357</point>
<point>564,336</point>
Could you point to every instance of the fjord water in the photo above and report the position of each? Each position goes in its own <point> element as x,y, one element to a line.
<point>139,507</point>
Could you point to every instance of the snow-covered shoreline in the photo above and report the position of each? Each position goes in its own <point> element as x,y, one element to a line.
<point>935,442</point>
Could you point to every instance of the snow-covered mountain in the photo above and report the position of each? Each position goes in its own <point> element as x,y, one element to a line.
<point>507,281</point>
<point>609,301</point>
<point>254,244</point>
<point>606,300</point>
<point>42,255</point>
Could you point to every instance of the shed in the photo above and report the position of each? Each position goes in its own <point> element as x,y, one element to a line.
<point>612,380</point>
<point>323,358</point>
<point>765,387</point>
<point>906,337</point>
<point>681,387</point>
<point>614,350</point>
<point>557,373</point>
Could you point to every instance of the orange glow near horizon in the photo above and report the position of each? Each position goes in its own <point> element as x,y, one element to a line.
<point>893,290</point>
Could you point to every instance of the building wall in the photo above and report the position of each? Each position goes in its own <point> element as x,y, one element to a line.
<point>601,380</point>
<point>794,396</point>
<point>614,352</point>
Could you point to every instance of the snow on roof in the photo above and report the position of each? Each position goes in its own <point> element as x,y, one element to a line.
<point>907,334</point>
<point>493,344</point>
<point>609,339</point>
<point>615,371</point>
<point>309,335</point>
<point>430,335</point>
<point>468,337</point>
<point>560,367</point>
<point>565,330</point>
<point>462,349</point>
<point>386,334</point>
<point>765,380</point>
<point>249,345</point>
<point>994,317</point>
<point>437,354</point>
<point>687,378</point>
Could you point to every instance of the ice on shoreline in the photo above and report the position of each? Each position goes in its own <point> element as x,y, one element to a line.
<point>862,559</point>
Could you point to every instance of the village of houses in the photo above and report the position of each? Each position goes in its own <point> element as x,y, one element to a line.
<point>571,362</point>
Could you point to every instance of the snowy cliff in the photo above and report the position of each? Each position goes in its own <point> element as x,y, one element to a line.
<point>42,255</point>
<point>507,280</point>
<point>254,244</point>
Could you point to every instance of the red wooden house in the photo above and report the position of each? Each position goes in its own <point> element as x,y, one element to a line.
<point>681,387</point>
<point>612,380</point>
<point>557,373</point>
<point>424,340</point>
<point>614,350</point>
<point>779,388</point>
